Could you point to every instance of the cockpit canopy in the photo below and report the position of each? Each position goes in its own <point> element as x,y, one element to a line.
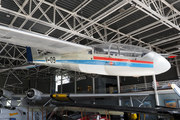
<point>113,49</point>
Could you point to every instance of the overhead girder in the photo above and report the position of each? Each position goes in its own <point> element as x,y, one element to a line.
<point>171,18</point>
<point>54,26</point>
<point>110,21</point>
<point>92,21</point>
<point>165,40</point>
<point>51,25</point>
<point>17,55</point>
<point>100,17</point>
<point>156,8</point>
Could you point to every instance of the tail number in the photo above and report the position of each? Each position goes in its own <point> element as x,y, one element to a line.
<point>51,59</point>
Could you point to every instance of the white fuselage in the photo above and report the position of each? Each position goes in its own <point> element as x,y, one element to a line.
<point>106,65</point>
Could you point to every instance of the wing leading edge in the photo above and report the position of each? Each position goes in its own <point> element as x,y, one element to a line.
<point>81,97</point>
<point>23,38</point>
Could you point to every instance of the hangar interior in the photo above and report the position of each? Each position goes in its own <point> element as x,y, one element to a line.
<point>151,24</point>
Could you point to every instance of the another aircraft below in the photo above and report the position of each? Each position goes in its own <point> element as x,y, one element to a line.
<point>20,113</point>
<point>176,89</point>
<point>105,59</point>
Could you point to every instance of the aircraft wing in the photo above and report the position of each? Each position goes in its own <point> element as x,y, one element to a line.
<point>80,97</point>
<point>42,42</point>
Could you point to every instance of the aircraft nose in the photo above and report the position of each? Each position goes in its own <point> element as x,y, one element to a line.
<point>161,65</point>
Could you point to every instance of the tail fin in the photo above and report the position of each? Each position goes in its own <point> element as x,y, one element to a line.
<point>31,52</point>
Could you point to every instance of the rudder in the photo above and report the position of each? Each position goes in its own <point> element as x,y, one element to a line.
<point>30,53</point>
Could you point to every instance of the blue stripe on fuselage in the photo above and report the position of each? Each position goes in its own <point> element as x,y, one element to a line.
<point>103,62</point>
<point>39,60</point>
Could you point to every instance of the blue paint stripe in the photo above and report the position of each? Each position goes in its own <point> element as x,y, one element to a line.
<point>39,60</point>
<point>101,62</point>
<point>33,66</point>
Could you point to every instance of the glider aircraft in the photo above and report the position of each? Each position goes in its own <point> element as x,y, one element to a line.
<point>105,59</point>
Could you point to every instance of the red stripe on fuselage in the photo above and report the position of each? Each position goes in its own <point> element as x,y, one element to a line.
<point>122,60</point>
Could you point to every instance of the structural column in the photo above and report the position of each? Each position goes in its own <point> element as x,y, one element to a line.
<point>131,101</point>
<point>145,83</point>
<point>61,82</point>
<point>177,67</point>
<point>119,88</point>
<point>32,113</point>
<point>75,84</point>
<point>93,85</point>
<point>50,85</point>
<point>155,90</point>
<point>28,113</point>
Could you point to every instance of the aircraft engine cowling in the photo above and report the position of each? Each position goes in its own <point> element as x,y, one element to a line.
<point>5,94</point>
<point>34,94</point>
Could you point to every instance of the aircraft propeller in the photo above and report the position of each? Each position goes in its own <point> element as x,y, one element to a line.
<point>30,93</point>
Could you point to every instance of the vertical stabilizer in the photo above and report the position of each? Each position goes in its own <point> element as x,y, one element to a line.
<point>31,52</point>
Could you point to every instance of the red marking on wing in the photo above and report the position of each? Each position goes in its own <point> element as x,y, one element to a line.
<point>172,56</point>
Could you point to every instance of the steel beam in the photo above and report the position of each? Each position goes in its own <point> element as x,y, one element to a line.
<point>158,12</point>
<point>61,82</point>
<point>155,90</point>
<point>50,25</point>
<point>93,84</point>
<point>100,17</point>
<point>75,83</point>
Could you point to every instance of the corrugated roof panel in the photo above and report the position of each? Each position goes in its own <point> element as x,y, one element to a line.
<point>40,28</point>
<point>161,35</point>
<point>138,25</point>
<point>69,4</point>
<point>151,31</point>
<point>129,19</point>
<point>95,6</point>
<point>4,19</point>
<point>9,4</point>
<point>115,13</point>
<point>57,33</point>
<point>18,22</point>
<point>28,25</point>
<point>171,1</point>
<point>177,6</point>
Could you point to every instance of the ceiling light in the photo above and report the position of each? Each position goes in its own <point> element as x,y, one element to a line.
<point>7,15</point>
<point>133,5</point>
<point>121,10</point>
